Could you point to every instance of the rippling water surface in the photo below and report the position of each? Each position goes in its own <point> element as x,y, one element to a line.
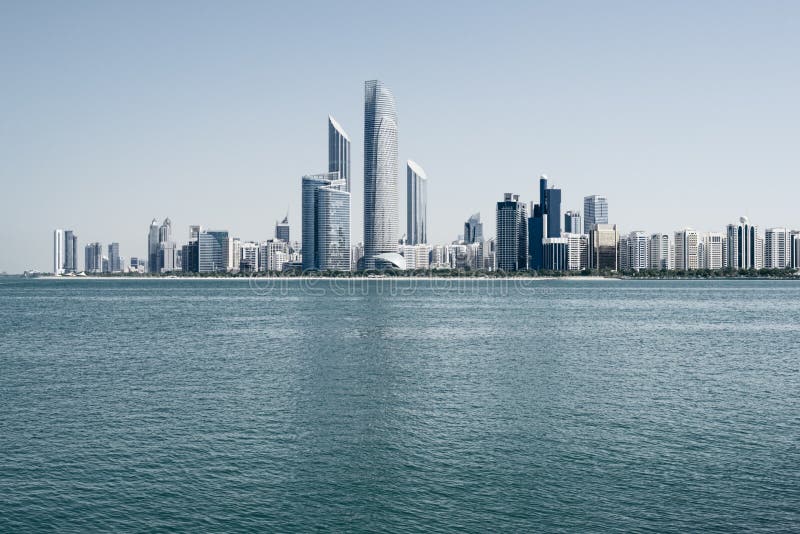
<point>177,405</point>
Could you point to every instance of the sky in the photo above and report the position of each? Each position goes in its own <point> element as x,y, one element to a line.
<point>114,113</point>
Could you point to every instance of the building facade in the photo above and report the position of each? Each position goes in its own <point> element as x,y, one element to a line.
<point>58,251</point>
<point>326,223</point>
<point>604,247</point>
<point>512,234</point>
<point>686,250</point>
<point>381,217</point>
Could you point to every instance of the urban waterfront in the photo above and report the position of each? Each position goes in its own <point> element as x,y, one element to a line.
<point>406,405</point>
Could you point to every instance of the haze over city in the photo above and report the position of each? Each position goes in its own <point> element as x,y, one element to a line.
<point>682,115</point>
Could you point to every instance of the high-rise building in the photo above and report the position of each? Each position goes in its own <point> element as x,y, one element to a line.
<point>742,244</point>
<point>114,260</point>
<point>713,253</point>
<point>58,251</point>
<point>545,221</point>
<point>338,152</point>
<point>190,256</point>
<point>512,234</point>
<point>638,251</point>
<point>248,257</point>
<point>777,248</point>
<point>70,252</point>
<point>93,258</point>
<point>212,254</point>
<point>659,252</point>
<point>595,211</point>
<point>686,248</point>
<point>326,223</point>
<point>152,246</point>
<point>795,249</point>
<point>381,221</point>
<point>282,230</point>
<point>473,229</point>
<point>273,255</point>
<point>166,257</point>
<point>165,231</point>
<point>417,201</point>
<point>572,222</point>
<point>604,247</point>
<point>576,250</point>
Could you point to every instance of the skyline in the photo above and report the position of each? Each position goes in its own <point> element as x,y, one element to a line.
<point>694,126</point>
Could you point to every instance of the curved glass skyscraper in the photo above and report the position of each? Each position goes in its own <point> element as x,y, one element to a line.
<point>381,217</point>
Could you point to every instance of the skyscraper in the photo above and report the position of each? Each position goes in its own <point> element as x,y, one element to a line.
<point>473,229</point>
<point>686,250</point>
<point>512,234</point>
<point>417,200</point>
<point>545,221</point>
<point>326,222</point>
<point>338,152</point>
<point>58,251</point>
<point>712,251</point>
<point>93,258</point>
<point>282,229</point>
<point>70,252</point>
<point>212,254</point>
<point>795,250</point>
<point>638,251</point>
<point>381,221</point>
<point>742,244</point>
<point>659,252</point>
<point>595,211</point>
<point>152,247</point>
<point>114,260</point>
<point>572,222</point>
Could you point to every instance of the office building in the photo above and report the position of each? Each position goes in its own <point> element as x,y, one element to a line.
<point>190,256</point>
<point>417,204</point>
<point>686,250</point>
<point>742,244</point>
<point>70,252</point>
<point>58,251</point>
<point>282,229</point>
<point>473,229</point>
<point>114,259</point>
<point>212,254</point>
<point>167,253</point>
<point>326,223</point>
<point>576,250</point>
<point>152,246</point>
<point>604,247</point>
<point>338,152</point>
<point>573,223</point>
<point>512,234</point>
<point>93,258</point>
<point>545,221</point>
<point>381,218</point>
<point>555,254</point>
<point>795,249</point>
<point>595,211</point>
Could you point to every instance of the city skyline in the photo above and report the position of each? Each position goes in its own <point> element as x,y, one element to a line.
<point>683,109</point>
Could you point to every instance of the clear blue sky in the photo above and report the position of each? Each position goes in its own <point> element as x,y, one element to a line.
<point>112,113</point>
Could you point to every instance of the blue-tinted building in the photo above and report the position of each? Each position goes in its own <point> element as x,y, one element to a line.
<point>512,234</point>
<point>326,223</point>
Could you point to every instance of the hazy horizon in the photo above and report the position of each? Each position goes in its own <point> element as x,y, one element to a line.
<point>113,114</point>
